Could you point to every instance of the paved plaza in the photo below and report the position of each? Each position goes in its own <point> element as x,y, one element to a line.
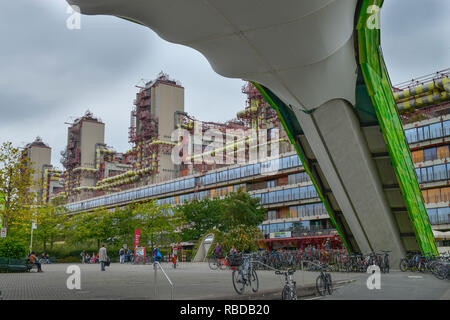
<point>195,281</point>
<point>121,281</point>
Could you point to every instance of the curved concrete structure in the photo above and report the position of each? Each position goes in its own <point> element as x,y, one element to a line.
<point>303,54</point>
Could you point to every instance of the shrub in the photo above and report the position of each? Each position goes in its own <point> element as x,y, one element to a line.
<point>12,249</point>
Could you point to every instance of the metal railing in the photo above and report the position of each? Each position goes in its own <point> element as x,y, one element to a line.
<point>155,267</point>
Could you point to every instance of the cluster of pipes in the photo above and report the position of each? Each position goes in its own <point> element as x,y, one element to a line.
<point>431,93</point>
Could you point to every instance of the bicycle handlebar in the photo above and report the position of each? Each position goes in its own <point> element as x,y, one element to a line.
<point>289,271</point>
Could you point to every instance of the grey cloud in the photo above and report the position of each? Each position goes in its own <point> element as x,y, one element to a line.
<point>49,73</point>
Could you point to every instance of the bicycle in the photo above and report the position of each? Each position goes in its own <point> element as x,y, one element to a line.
<point>383,261</point>
<point>289,291</point>
<point>216,263</point>
<point>324,283</point>
<point>244,274</point>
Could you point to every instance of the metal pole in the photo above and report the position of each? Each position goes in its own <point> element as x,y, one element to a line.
<point>155,266</point>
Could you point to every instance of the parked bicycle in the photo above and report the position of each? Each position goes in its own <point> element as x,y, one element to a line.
<point>218,263</point>
<point>243,273</point>
<point>324,284</point>
<point>289,291</point>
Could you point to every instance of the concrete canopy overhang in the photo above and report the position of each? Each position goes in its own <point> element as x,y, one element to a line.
<point>303,50</point>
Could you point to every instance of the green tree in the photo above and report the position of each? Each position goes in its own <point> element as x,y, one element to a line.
<point>201,216</point>
<point>126,223</point>
<point>15,186</point>
<point>98,225</point>
<point>244,238</point>
<point>239,208</point>
<point>50,224</point>
<point>159,224</point>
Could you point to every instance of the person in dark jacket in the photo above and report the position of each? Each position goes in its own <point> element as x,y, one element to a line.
<point>218,251</point>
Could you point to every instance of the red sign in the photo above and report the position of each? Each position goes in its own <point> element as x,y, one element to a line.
<point>137,236</point>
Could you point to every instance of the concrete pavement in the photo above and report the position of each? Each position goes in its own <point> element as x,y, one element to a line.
<point>195,281</point>
<point>192,281</point>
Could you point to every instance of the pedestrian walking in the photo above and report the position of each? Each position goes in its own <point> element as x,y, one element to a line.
<point>83,256</point>
<point>122,255</point>
<point>175,254</point>
<point>103,257</point>
<point>157,256</point>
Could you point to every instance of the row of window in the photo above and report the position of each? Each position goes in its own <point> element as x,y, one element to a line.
<point>436,195</point>
<point>301,211</point>
<point>291,194</point>
<point>431,131</point>
<point>294,226</point>
<point>150,191</point>
<point>439,215</point>
<point>222,176</point>
<point>200,195</point>
<point>431,154</point>
<point>251,170</point>
<point>433,173</point>
<point>300,177</point>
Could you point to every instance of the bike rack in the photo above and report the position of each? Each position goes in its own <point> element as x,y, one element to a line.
<point>156,264</point>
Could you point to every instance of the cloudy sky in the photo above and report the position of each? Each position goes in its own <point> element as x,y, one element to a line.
<point>50,75</point>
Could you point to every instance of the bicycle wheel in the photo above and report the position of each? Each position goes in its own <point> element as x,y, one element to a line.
<point>212,262</point>
<point>288,293</point>
<point>238,282</point>
<point>329,284</point>
<point>421,267</point>
<point>254,281</point>
<point>404,265</point>
<point>440,272</point>
<point>320,285</point>
<point>224,265</point>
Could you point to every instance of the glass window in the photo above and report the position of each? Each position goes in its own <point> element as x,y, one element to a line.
<point>446,125</point>
<point>430,154</point>
<point>280,196</point>
<point>440,172</point>
<point>287,195</point>
<point>411,135</point>
<point>303,193</point>
<point>426,132</point>
<point>420,136</point>
<point>419,177</point>
<point>238,173</point>
<point>271,215</point>
<point>285,163</point>
<point>436,130</point>
<point>296,193</point>
<point>430,176</point>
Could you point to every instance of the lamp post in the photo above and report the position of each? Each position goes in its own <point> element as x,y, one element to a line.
<point>33,226</point>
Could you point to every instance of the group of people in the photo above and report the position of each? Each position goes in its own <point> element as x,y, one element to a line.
<point>86,258</point>
<point>101,257</point>
<point>218,251</point>
<point>157,256</point>
<point>126,256</point>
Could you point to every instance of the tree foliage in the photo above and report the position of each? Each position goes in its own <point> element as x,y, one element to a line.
<point>15,186</point>
<point>236,218</point>
<point>159,224</point>
<point>201,216</point>
<point>244,238</point>
<point>50,222</point>
<point>238,208</point>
